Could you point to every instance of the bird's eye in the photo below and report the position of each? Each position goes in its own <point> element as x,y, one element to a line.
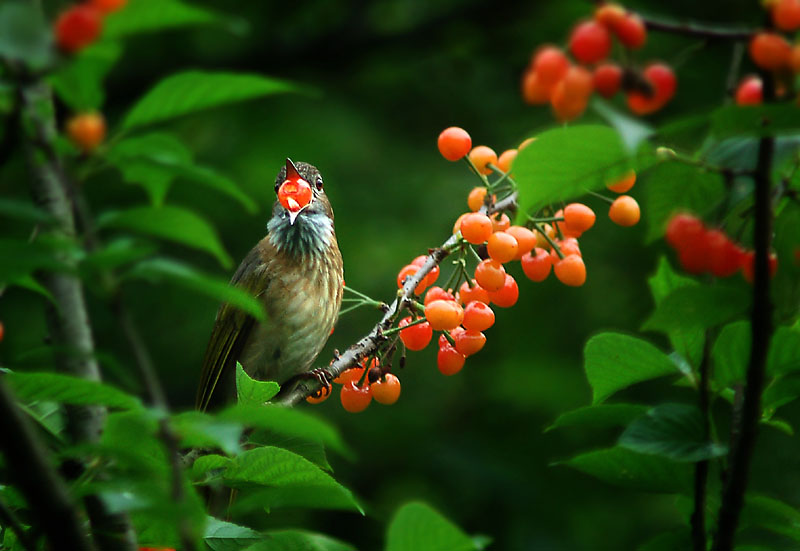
<point>319,182</point>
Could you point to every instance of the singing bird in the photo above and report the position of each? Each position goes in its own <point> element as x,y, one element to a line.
<point>296,272</point>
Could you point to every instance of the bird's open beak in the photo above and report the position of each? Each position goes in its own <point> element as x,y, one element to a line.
<point>294,194</point>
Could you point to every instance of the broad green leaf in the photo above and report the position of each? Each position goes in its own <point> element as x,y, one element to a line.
<point>313,450</point>
<point>614,361</point>
<point>285,421</point>
<point>204,464</point>
<point>225,536</point>
<point>299,540</point>
<point>784,351</point>
<point>23,210</point>
<point>686,341</point>
<point>786,283</point>
<point>599,417</point>
<point>300,496</point>
<point>118,252</point>
<point>626,468</point>
<point>141,16</point>
<point>418,527</point>
<point>28,282</point>
<point>674,431</point>
<point>781,392</point>
<point>779,424</point>
<point>79,82</point>
<point>771,514</point>
<point>66,389</point>
<point>755,120</point>
<point>25,34</point>
<point>21,258</point>
<point>200,430</point>
<point>249,391</point>
<point>193,91</point>
<point>158,270</point>
<point>698,307</point>
<point>172,223</point>
<point>669,541</point>
<point>731,353</point>
<point>672,186</point>
<point>282,473</point>
<point>566,162</point>
<point>632,130</point>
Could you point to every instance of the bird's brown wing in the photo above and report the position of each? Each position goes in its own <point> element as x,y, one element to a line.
<point>231,331</point>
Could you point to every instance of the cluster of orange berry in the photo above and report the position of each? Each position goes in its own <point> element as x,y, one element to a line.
<point>710,250</point>
<point>551,78</point>
<point>361,384</point>
<point>81,24</point>
<point>771,51</point>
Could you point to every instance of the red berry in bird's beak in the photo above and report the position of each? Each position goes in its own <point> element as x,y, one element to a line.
<point>294,195</point>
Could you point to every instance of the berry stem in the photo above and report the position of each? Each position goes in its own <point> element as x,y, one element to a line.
<point>536,220</point>
<point>600,196</point>
<point>549,240</point>
<point>394,330</point>
<point>474,169</point>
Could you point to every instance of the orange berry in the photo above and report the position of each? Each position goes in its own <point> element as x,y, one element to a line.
<point>449,360</point>
<point>526,240</point>
<point>578,217</point>
<point>631,31</point>
<point>536,264</point>
<point>107,6</point>
<point>541,241</point>
<point>407,271</point>
<point>624,211</point>
<point>467,294</point>
<point>507,295</point>
<point>500,222</point>
<point>454,143</point>
<point>786,14</point>
<point>457,225</point>
<point>571,270</point>
<point>567,246</point>
<point>534,91</point>
<point>624,183</point>
<point>482,156</point>
<point>663,81</point>
<point>571,95</point>
<point>352,374</point>
<point>502,247</point>
<point>444,315</point>
<point>562,227</point>
<point>87,131</point>
<point>770,51</point>
<point>476,228</point>
<point>490,275</point>
<point>476,198</point>
<point>506,158</point>
<point>2,331</point>
<point>478,316</point>
<point>609,14</point>
<point>607,79</point>
<point>550,65</point>
<point>386,391</point>
<point>437,293</point>
<point>417,336</point>
<point>749,91</point>
<point>354,398</point>
<point>319,397</point>
<point>432,276</point>
<point>590,42</point>
<point>468,342</point>
<point>77,27</point>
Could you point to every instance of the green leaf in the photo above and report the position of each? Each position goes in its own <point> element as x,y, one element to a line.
<point>299,540</point>
<point>698,307</point>
<point>599,417</point>
<point>672,186</point>
<point>628,469</point>
<point>786,283</point>
<point>172,223</point>
<point>205,464</point>
<point>141,16</point>
<point>755,120</point>
<point>200,430</point>
<point>669,541</point>
<point>249,391</point>
<point>686,341</point>
<point>614,361</point>
<point>566,162</point>
<point>23,210</point>
<point>158,270</point>
<point>781,392</point>
<point>79,82</point>
<point>70,390</point>
<point>21,258</point>
<point>731,353</point>
<point>285,421</point>
<point>418,527</point>
<point>25,34</point>
<point>194,91</point>
<point>118,252</point>
<point>674,431</point>
<point>313,450</point>
<point>226,536</point>
<point>771,514</point>
<point>784,351</point>
<point>632,130</point>
<point>287,480</point>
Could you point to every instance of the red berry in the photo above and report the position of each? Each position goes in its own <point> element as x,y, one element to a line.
<point>695,255</point>
<point>631,31</point>
<point>550,65</point>
<point>407,271</point>
<point>571,95</point>
<point>386,391</point>
<point>537,264</point>
<point>432,276</point>
<point>748,265</point>
<point>468,342</point>
<point>507,295</point>
<point>534,91</point>
<point>2,331</point>
<point>770,51</point>
<point>590,42</point>
<point>320,397</point>
<point>749,91</point>
<point>444,315</point>
<point>476,228</point>
<point>77,27</point>
<point>490,275</point>
<point>786,14</point>
<point>437,293</point>
<point>607,79</point>
<point>449,360</point>
<point>725,256</point>
<point>609,14</point>
<point>348,375</point>
<point>662,79</point>
<point>454,143</point>
<point>467,294</point>
<point>682,229</point>
<point>354,398</point>
<point>294,194</point>
<point>478,316</point>
<point>571,270</point>
<point>417,336</point>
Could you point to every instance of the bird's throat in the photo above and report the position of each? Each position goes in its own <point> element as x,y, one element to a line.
<point>311,234</point>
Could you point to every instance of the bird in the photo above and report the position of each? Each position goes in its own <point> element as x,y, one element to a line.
<point>296,272</point>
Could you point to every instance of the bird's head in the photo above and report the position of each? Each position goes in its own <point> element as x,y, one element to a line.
<point>299,188</point>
